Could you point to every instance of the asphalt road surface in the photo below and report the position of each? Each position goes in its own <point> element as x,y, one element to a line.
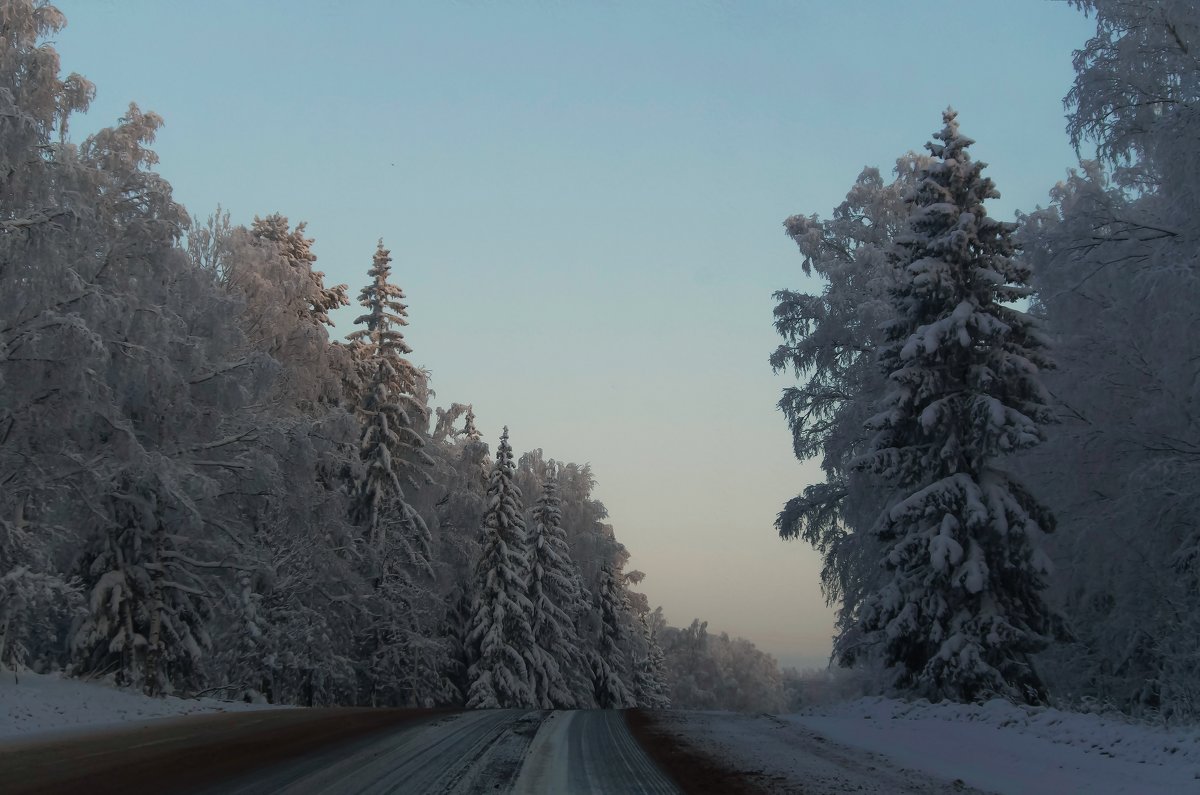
<point>306,752</point>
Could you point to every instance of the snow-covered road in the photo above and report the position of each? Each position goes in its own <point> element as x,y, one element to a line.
<point>588,751</point>
<point>514,751</point>
<point>342,752</point>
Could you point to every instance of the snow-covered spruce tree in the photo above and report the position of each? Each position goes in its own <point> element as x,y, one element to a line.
<point>397,645</point>
<point>382,337</point>
<point>454,631</point>
<point>147,610</point>
<point>961,609</point>
<point>36,600</point>
<point>501,640</point>
<point>392,418</point>
<point>555,598</point>
<point>469,429</point>
<point>829,341</point>
<point>610,668</point>
<point>533,472</point>
<point>649,678</point>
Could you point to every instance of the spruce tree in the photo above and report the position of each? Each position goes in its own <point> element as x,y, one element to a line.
<point>649,678</point>
<point>391,441</point>
<point>610,669</point>
<point>961,606</point>
<point>397,647</point>
<point>555,598</point>
<point>147,611</point>
<point>454,630</point>
<point>469,430</point>
<point>501,638</point>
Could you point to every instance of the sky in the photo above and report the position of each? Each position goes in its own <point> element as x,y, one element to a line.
<point>584,203</point>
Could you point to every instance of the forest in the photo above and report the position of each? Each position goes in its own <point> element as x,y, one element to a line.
<point>205,489</point>
<point>1007,414</point>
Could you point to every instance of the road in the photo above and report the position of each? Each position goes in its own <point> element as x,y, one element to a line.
<point>487,751</point>
<point>513,751</point>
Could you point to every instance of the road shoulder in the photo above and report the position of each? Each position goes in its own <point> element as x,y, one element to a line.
<point>188,753</point>
<point>693,769</point>
<point>739,753</point>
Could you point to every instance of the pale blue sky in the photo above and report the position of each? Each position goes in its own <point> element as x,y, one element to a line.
<point>584,202</point>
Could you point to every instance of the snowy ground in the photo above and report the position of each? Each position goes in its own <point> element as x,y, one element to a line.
<point>995,747</point>
<point>33,705</point>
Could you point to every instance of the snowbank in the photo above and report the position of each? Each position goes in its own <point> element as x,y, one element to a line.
<point>1009,749</point>
<point>33,704</point>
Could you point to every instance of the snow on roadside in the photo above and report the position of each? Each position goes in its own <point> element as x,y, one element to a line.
<point>36,704</point>
<point>779,757</point>
<point>1004,748</point>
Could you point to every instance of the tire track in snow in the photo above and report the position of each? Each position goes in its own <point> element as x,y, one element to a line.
<point>493,751</point>
<point>347,752</point>
<point>589,751</point>
<point>446,756</point>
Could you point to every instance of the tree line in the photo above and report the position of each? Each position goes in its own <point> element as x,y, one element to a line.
<point>1006,414</point>
<point>202,490</point>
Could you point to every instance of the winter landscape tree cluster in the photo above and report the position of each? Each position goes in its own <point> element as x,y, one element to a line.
<point>1006,414</point>
<point>202,489</point>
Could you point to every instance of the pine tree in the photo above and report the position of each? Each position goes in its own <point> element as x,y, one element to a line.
<point>610,669</point>
<point>501,637</point>
<point>555,597</point>
<point>961,608</point>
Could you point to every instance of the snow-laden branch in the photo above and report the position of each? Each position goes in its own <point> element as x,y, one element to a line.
<point>30,221</point>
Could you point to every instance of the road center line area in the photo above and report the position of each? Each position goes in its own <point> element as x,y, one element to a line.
<point>331,752</point>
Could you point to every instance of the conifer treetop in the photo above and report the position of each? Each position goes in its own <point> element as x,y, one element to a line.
<point>387,311</point>
<point>957,336</point>
<point>469,430</point>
